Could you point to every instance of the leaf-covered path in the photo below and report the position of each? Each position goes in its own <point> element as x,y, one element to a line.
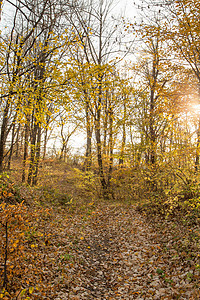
<point>111,253</point>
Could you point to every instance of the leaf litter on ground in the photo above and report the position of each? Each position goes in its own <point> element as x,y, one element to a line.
<point>113,253</point>
<point>104,250</point>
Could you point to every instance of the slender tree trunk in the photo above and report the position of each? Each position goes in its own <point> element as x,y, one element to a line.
<point>26,136</point>
<point>62,149</point>
<point>37,129</point>
<point>61,153</point>
<point>111,144</point>
<point>197,148</point>
<point>98,141</point>
<point>12,144</point>
<point>45,143</point>
<point>121,159</point>
<point>33,149</point>
<point>88,154</point>
<point>3,133</point>
<point>152,130</point>
<point>105,124</point>
<point>89,150</point>
<point>63,140</point>
<point>37,156</point>
<point>17,141</point>
<point>88,158</point>
<point>65,153</point>
<point>99,157</point>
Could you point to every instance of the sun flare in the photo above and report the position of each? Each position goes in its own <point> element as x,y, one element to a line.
<point>196,108</point>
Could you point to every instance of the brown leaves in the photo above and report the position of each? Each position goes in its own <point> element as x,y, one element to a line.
<point>109,253</point>
<point>20,251</point>
<point>120,258</point>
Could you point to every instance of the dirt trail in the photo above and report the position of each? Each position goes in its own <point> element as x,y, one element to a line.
<point>116,255</point>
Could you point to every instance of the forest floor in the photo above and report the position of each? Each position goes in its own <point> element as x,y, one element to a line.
<point>89,249</point>
<point>112,253</point>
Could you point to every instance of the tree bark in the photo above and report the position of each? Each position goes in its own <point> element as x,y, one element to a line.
<point>88,154</point>
<point>111,144</point>
<point>3,134</point>
<point>12,144</point>
<point>197,147</point>
<point>33,149</point>
<point>98,140</point>
<point>26,136</point>
<point>121,159</point>
<point>37,156</point>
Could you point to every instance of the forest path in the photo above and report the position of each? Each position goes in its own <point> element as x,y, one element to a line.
<point>115,254</point>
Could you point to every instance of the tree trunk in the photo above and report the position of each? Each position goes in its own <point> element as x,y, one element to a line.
<point>121,159</point>
<point>111,144</point>
<point>105,125</point>
<point>26,136</point>
<point>17,141</point>
<point>88,154</point>
<point>197,148</point>
<point>33,149</point>
<point>45,143</point>
<point>37,156</point>
<point>3,134</point>
<point>12,144</point>
<point>98,141</point>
